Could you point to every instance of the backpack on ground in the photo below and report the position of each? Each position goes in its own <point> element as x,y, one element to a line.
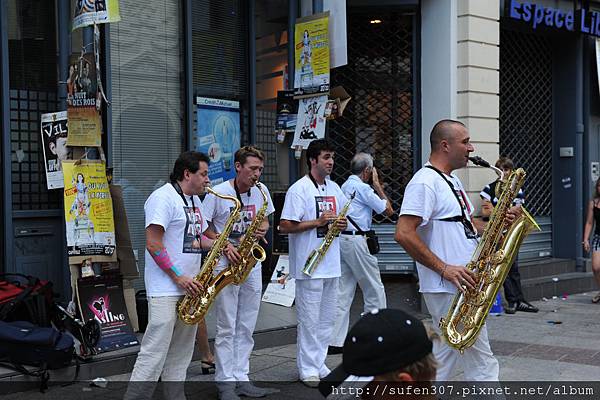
<point>26,298</point>
<point>23,343</point>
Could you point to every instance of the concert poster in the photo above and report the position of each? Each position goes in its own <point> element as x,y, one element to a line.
<point>54,135</point>
<point>311,40</point>
<point>83,102</point>
<point>88,209</point>
<point>102,299</point>
<point>311,121</point>
<point>218,135</point>
<point>90,12</point>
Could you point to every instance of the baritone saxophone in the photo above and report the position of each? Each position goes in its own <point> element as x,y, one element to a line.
<point>490,262</point>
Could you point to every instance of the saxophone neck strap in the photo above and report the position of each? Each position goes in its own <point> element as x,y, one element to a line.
<point>237,191</point>
<point>177,188</point>
<point>314,181</point>
<point>458,218</point>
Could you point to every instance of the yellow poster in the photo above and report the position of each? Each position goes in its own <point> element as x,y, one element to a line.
<point>311,39</point>
<point>88,209</point>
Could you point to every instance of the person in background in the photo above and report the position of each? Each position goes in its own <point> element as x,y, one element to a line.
<point>513,292</point>
<point>593,216</point>
<point>357,264</point>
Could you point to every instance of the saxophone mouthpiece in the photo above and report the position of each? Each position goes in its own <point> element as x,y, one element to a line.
<point>480,162</point>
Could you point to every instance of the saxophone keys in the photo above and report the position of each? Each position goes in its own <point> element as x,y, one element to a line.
<point>498,257</point>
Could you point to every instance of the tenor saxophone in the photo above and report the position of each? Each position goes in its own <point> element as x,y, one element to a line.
<point>315,256</point>
<point>490,262</point>
<point>250,251</point>
<point>192,309</point>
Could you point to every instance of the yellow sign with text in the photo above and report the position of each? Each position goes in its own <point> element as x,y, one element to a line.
<point>311,40</point>
<point>88,209</point>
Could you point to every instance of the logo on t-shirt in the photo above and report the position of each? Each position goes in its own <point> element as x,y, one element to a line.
<point>193,230</point>
<point>324,203</point>
<point>240,226</point>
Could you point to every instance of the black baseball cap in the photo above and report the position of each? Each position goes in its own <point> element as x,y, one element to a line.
<point>381,341</point>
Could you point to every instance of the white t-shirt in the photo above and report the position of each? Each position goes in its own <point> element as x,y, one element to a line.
<point>218,211</point>
<point>428,196</point>
<point>302,201</point>
<point>365,202</point>
<point>183,230</point>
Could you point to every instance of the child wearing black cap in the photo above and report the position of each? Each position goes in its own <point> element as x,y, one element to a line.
<point>389,345</point>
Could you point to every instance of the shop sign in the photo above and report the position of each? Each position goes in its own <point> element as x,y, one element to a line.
<point>582,20</point>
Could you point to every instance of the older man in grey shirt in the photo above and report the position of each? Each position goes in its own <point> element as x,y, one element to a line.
<point>358,265</point>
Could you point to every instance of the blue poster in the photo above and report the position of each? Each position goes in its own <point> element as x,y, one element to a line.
<point>218,136</point>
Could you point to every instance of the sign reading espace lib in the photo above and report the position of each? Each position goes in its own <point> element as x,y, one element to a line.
<point>582,20</point>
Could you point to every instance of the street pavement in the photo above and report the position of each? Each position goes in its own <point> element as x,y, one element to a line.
<point>560,343</point>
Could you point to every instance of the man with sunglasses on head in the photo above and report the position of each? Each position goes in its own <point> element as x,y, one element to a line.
<point>437,229</point>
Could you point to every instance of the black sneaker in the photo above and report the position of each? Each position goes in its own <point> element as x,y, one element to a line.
<point>331,350</point>
<point>510,309</point>
<point>526,307</point>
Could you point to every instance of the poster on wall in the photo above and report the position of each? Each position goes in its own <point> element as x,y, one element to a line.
<point>88,209</point>
<point>54,145</point>
<point>337,32</point>
<point>218,135</point>
<point>311,121</point>
<point>83,102</point>
<point>287,111</point>
<point>90,12</point>
<point>311,40</point>
<point>282,288</point>
<point>102,299</point>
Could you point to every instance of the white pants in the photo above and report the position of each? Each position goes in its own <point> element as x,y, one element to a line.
<point>166,351</point>
<point>358,266</point>
<point>315,307</point>
<point>478,361</point>
<point>236,309</point>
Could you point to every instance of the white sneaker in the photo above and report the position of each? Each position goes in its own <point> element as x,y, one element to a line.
<point>311,381</point>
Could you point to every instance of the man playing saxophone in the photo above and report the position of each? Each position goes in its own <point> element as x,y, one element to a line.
<point>436,227</point>
<point>311,204</point>
<point>175,224</point>
<point>236,307</point>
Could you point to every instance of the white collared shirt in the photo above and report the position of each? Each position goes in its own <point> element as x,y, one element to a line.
<point>365,202</point>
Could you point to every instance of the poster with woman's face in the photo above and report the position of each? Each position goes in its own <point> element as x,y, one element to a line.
<point>54,134</point>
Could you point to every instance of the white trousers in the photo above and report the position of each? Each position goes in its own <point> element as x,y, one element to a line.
<point>358,266</point>
<point>236,309</point>
<point>166,351</point>
<point>316,301</point>
<point>168,343</point>
<point>478,361</point>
